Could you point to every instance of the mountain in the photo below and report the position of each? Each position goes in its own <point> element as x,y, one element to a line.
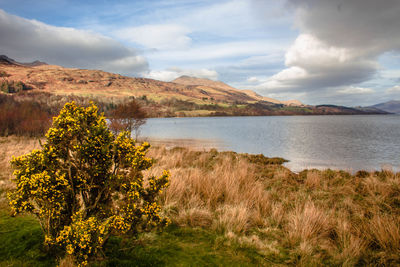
<point>392,106</point>
<point>185,96</point>
<point>186,80</point>
<point>253,94</point>
<point>9,61</point>
<point>6,60</point>
<point>333,109</point>
<point>60,80</point>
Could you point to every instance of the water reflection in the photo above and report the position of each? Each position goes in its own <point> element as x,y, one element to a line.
<point>341,142</point>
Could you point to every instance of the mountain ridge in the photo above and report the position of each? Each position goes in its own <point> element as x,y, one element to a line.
<point>60,80</point>
<point>188,80</point>
<point>185,96</point>
<point>5,59</point>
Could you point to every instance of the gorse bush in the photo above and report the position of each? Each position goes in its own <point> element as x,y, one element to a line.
<point>86,184</point>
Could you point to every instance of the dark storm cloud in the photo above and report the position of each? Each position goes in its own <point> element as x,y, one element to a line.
<point>370,25</point>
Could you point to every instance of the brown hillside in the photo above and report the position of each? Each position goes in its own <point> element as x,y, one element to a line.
<point>197,97</point>
<point>64,81</point>
<point>261,98</point>
<point>186,80</point>
<point>60,80</point>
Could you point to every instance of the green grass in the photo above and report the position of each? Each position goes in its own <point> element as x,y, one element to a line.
<point>177,246</point>
<point>21,242</point>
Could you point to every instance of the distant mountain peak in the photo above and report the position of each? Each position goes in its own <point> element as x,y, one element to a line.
<point>9,61</point>
<point>392,106</point>
<point>35,63</point>
<point>193,79</point>
<point>188,80</point>
<point>187,77</point>
<point>6,60</point>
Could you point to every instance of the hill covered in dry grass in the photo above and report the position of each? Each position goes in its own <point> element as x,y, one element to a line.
<point>60,80</point>
<point>185,96</point>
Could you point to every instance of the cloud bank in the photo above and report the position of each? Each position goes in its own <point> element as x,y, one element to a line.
<point>28,40</point>
<point>338,46</point>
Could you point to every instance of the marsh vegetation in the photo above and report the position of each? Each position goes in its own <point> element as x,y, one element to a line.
<point>254,208</point>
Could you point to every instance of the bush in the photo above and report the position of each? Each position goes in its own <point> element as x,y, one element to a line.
<point>12,86</point>
<point>86,184</point>
<point>4,74</point>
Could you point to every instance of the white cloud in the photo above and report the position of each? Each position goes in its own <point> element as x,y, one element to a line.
<point>253,79</point>
<point>161,36</point>
<point>313,64</point>
<point>352,90</point>
<point>27,40</point>
<point>337,49</point>
<point>122,65</point>
<point>393,90</point>
<point>309,52</point>
<point>173,73</point>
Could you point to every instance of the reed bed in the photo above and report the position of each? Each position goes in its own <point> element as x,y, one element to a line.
<point>311,218</point>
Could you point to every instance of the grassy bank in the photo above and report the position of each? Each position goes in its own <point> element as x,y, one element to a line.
<point>21,245</point>
<point>237,209</point>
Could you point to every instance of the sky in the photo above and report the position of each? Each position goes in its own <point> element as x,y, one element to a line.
<point>343,52</point>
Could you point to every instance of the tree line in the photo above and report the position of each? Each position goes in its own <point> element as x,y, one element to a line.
<point>30,113</point>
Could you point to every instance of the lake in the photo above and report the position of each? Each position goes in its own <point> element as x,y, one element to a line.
<point>351,142</point>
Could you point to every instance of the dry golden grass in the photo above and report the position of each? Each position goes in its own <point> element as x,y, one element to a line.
<point>9,147</point>
<point>104,85</point>
<point>213,185</point>
<point>311,218</point>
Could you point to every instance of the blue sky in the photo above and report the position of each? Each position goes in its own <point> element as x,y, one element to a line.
<point>317,51</point>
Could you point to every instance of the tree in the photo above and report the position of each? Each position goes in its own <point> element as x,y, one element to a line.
<point>128,116</point>
<point>86,184</point>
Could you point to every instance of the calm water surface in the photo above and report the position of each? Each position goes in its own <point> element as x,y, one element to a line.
<point>340,142</point>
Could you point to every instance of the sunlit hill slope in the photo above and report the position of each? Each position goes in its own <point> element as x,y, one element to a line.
<point>185,96</point>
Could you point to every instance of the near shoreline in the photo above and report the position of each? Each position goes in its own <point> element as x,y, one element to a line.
<point>253,207</point>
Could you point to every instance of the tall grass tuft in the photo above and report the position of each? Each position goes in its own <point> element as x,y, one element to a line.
<point>312,218</point>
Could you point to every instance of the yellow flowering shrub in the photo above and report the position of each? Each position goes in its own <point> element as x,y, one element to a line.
<point>86,184</point>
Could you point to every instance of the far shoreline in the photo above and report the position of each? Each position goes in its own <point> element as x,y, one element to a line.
<point>205,145</point>
<point>273,115</point>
